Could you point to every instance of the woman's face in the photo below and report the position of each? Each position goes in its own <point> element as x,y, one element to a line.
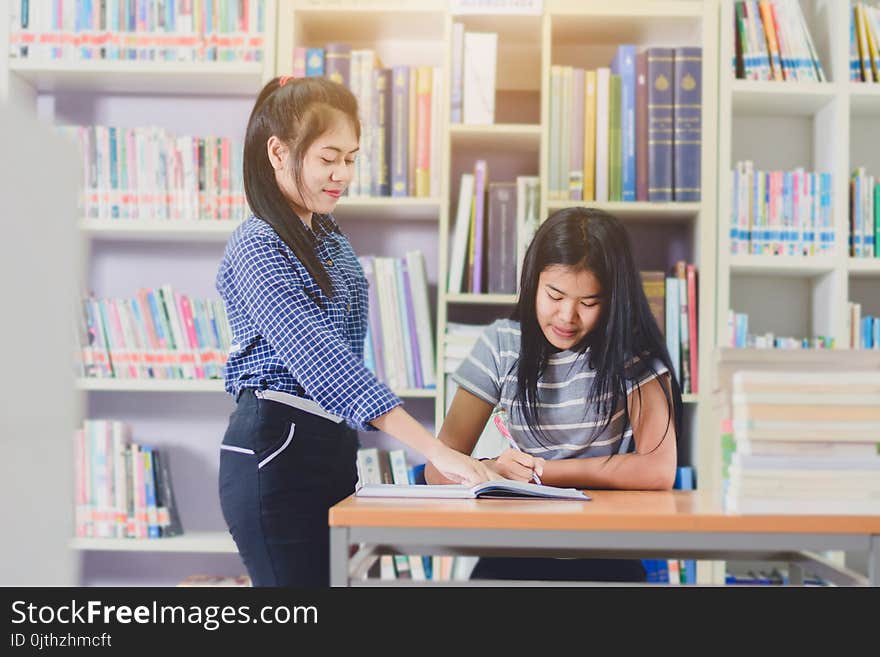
<point>568,304</point>
<point>327,170</point>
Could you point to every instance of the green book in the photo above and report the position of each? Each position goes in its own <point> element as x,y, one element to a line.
<point>615,142</point>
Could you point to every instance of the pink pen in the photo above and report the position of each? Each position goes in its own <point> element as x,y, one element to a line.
<point>502,427</point>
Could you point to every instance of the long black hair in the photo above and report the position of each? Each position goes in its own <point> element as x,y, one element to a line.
<point>592,240</point>
<point>297,112</point>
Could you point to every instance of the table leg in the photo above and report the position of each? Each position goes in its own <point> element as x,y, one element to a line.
<point>795,574</point>
<point>874,561</point>
<point>339,556</point>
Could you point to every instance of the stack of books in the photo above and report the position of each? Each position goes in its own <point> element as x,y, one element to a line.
<point>805,443</point>
<point>864,43</point>
<point>630,131</point>
<point>773,42</point>
<point>122,489</point>
<point>400,113</point>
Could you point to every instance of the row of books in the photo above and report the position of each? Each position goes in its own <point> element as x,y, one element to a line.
<point>494,223</point>
<point>149,173</point>
<point>673,302</point>
<point>864,214</point>
<point>145,30</point>
<point>773,42</point>
<point>805,443</point>
<point>781,212</point>
<point>399,347</point>
<point>864,330</point>
<point>864,43</point>
<point>122,489</point>
<point>400,118</point>
<point>380,466</point>
<point>631,132</point>
<point>158,334</point>
<point>739,337</point>
<point>474,68</point>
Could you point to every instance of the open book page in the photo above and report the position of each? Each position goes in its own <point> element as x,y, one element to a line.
<point>499,488</point>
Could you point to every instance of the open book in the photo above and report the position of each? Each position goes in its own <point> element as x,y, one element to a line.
<point>503,488</point>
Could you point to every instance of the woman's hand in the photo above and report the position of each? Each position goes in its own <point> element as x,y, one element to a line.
<point>517,465</point>
<point>459,467</point>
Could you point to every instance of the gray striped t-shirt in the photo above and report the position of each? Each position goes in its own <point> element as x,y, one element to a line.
<point>489,372</point>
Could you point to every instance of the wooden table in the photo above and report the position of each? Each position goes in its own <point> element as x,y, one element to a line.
<point>622,524</point>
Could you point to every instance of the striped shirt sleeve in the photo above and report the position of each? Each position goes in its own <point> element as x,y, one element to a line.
<point>304,338</point>
<point>479,374</point>
<point>640,371</point>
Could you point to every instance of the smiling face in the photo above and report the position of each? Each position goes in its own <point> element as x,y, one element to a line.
<point>327,169</point>
<point>568,304</point>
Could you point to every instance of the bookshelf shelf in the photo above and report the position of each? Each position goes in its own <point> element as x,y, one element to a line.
<point>204,542</point>
<point>865,99</point>
<point>482,299</point>
<point>638,210</point>
<point>149,385</point>
<point>781,98</point>
<point>782,265</point>
<point>208,385</point>
<point>864,267</point>
<point>626,9</point>
<point>203,79</point>
<point>137,229</point>
<point>821,358</point>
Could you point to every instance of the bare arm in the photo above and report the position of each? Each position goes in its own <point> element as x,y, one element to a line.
<point>455,467</point>
<point>461,428</point>
<point>645,469</point>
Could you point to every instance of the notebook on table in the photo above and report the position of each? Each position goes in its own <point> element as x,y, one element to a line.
<point>490,489</point>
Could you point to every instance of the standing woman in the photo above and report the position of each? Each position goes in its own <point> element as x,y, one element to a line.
<point>296,298</point>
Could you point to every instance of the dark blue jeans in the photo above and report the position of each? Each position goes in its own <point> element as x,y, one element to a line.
<point>281,469</point>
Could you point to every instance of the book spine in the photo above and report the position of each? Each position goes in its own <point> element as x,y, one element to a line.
<point>589,178</point>
<point>615,142</point>
<point>641,126</point>
<point>627,72</point>
<point>299,62</point>
<point>576,155</point>
<point>660,124</point>
<point>688,123</point>
<point>424,75</point>
<point>603,98</point>
<point>455,93</point>
<point>400,131</point>
<point>381,178</point>
<point>481,175</point>
<point>337,63</point>
<point>501,252</point>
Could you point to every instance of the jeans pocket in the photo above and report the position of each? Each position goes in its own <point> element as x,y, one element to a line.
<point>281,444</point>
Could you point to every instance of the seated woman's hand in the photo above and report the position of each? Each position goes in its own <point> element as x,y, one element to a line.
<point>516,465</point>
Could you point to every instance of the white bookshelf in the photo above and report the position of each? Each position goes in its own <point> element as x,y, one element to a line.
<point>828,127</point>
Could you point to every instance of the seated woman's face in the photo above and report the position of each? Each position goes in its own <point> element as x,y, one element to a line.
<point>568,304</point>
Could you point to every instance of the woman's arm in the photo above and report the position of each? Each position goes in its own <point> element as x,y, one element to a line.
<point>448,464</point>
<point>645,469</point>
<point>461,429</point>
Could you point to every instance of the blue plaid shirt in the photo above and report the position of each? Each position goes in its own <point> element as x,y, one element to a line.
<point>282,339</point>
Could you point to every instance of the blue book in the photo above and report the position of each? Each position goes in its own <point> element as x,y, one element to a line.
<point>314,62</point>
<point>660,124</point>
<point>400,131</point>
<point>624,65</point>
<point>150,492</point>
<point>687,101</point>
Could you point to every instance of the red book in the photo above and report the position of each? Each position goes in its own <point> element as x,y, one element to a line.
<point>692,323</point>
